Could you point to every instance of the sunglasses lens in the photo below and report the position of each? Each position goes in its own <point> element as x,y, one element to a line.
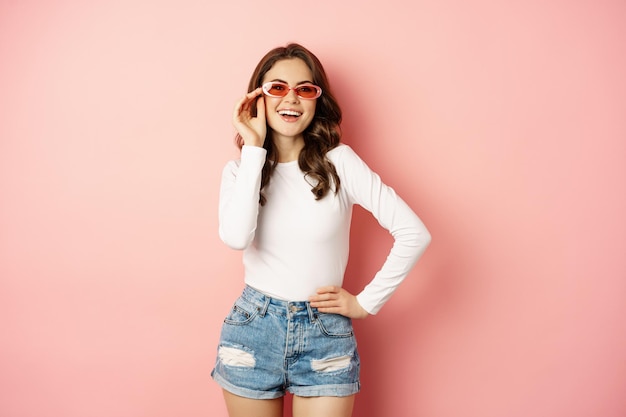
<point>276,89</point>
<point>308,91</point>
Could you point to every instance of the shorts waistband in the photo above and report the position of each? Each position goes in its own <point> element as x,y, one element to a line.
<point>266,303</point>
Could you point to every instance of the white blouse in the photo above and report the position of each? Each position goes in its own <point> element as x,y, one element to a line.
<point>295,244</point>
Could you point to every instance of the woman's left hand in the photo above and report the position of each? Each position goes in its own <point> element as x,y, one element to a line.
<point>336,300</point>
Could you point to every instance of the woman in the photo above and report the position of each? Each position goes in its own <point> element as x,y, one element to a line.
<point>287,203</point>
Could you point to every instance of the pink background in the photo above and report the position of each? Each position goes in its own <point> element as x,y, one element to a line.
<point>503,124</point>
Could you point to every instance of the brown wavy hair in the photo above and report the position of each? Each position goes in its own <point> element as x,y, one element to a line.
<point>322,135</point>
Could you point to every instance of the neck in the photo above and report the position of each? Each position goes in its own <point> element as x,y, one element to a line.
<point>288,149</point>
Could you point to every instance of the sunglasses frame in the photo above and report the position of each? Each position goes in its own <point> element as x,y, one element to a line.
<point>266,88</point>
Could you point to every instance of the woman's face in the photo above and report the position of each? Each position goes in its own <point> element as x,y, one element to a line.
<point>290,115</point>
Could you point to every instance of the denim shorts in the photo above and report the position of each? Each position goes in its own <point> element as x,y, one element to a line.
<point>270,346</point>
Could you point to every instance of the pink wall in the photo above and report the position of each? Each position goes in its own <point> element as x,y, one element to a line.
<point>502,123</point>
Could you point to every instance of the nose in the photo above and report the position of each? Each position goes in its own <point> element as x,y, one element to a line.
<point>292,96</point>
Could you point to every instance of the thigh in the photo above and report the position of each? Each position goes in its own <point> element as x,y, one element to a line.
<point>251,359</point>
<point>323,406</point>
<point>329,363</point>
<point>247,407</point>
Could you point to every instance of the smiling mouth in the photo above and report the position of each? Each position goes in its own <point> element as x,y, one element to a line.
<point>289,113</point>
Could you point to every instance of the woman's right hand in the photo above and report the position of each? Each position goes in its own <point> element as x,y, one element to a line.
<point>252,129</point>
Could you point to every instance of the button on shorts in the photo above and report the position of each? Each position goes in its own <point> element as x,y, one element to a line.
<point>270,346</point>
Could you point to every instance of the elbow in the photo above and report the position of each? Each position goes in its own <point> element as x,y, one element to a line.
<point>235,242</point>
<point>425,237</point>
<point>419,243</point>
<point>418,238</point>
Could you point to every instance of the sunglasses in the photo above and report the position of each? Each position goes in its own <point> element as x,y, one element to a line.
<point>305,91</point>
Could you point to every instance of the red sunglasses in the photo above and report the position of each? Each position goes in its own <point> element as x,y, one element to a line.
<point>280,89</point>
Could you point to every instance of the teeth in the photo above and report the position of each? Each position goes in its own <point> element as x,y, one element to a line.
<point>289,113</point>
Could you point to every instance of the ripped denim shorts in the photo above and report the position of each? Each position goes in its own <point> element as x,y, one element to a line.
<point>270,346</point>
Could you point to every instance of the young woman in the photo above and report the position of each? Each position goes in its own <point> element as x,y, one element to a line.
<point>287,203</point>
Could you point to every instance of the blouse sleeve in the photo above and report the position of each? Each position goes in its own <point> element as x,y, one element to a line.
<point>239,197</point>
<point>411,238</point>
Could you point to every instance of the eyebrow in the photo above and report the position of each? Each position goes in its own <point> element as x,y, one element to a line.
<point>285,82</point>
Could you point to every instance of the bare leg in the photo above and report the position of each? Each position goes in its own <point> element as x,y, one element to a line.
<point>246,407</point>
<point>323,406</point>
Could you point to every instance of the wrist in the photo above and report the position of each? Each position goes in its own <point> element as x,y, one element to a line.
<point>253,142</point>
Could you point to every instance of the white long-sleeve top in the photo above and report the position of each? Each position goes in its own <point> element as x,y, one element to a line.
<point>295,244</point>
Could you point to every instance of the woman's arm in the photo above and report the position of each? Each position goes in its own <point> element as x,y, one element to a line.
<point>241,181</point>
<point>239,198</point>
<point>411,238</point>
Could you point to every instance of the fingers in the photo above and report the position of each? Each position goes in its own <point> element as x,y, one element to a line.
<point>243,106</point>
<point>327,297</point>
<point>325,294</point>
<point>328,289</point>
<point>251,127</point>
<point>249,98</point>
<point>336,300</point>
<point>260,107</point>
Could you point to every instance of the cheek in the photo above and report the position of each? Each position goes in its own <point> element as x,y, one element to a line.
<point>311,111</point>
<point>269,104</point>
<point>270,111</point>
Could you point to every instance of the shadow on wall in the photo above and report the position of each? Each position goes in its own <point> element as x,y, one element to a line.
<point>392,342</point>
